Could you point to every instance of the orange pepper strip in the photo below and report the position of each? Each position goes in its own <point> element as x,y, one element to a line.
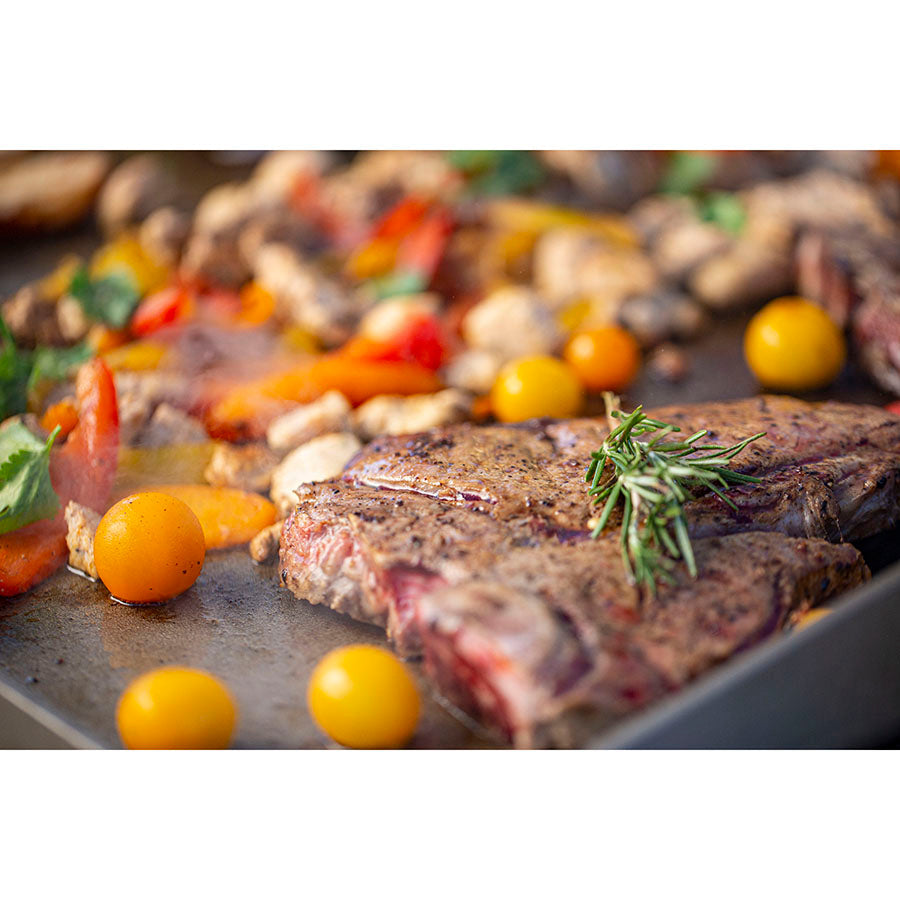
<point>246,410</point>
<point>82,470</point>
<point>62,414</point>
<point>228,516</point>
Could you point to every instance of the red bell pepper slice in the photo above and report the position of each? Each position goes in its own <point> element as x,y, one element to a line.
<point>83,469</point>
<point>422,340</point>
<point>400,219</point>
<point>165,307</point>
<point>422,250</point>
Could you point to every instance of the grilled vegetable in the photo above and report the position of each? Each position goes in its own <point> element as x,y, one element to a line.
<point>605,359</point>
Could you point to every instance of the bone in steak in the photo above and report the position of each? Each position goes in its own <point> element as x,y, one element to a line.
<point>471,546</point>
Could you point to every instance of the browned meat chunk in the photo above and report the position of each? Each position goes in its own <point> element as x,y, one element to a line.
<point>246,466</point>
<point>82,526</point>
<point>136,188</point>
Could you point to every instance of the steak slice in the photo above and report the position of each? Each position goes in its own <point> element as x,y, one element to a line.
<point>855,276</point>
<point>536,469</point>
<point>521,657</point>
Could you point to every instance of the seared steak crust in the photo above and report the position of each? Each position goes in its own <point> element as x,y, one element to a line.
<point>471,546</point>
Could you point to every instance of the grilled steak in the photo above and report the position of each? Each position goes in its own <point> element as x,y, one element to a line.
<point>471,546</point>
<point>855,276</point>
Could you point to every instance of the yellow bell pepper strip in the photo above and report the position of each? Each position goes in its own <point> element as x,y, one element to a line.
<point>229,517</point>
<point>137,356</point>
<point>125,254</point>
<point>529,217</point>
<point>142,467</point>
<point>82,470</point>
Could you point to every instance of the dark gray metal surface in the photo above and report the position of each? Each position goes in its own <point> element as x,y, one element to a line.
<point>67,650</point>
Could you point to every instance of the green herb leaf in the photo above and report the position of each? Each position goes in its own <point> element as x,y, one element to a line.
<point>687,172</point>
<point>26,494</point>
<point>498,171</point>
<point>111,299</point>
<point>56,363</point>
<point>15,367</point>
<point>653,479</point>
<point>723,209</point>
<point>398,284</point>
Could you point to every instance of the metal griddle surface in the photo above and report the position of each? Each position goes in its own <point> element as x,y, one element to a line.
<point>67,650</point>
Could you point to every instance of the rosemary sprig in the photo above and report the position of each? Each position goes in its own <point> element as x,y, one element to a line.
<point>653,480</point>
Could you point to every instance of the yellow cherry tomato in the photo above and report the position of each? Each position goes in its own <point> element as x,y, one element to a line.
<point>605,359</point>
<point>125,254</point>
<point>536,386</point>
<point>792,345</point>
<point>176,709</point>
<point>148,548</point>
<point>364,697</point>
<point>814,615</point>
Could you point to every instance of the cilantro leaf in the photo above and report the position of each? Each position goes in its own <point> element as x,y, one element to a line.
<point>498,171</point>
<point>687,172</point>
<point>56,363</point>
<point>15,367</point>
<point>111,299</point>
<point>26,493</point>
<point>723,209</point>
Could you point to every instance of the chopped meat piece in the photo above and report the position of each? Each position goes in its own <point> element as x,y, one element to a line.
<point>225,208</point>
<point>669,363</point>
<point>264,547</point>
<point>277,172</point>
<point>511,322</point>
<point>570,263</point>
<point>50,190</point>
<point>136,188</point>
<point>682,246</point>
<point>652,214</point>
<point>170,425</point>
<point>614,179</point>
<point>743,276</point>
<point>82,525</point>
<point>473,370</point>
<point>214,257</point>
<point>819,198</point>
<point>664,315</point>
<point>855,276</point>
<point>317,460</point>
<point>138,395</point>
<point>248,467</point>
<point>71,319</point>
<point>386,414</point>
<point>330,413</point>
<point>307,298</point>
<point>163,234</point>
<point>31,317</point>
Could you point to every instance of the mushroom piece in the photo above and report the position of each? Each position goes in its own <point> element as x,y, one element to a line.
<point>330,413</point>
<point>512,321</point>
<point>81,523</point>
<point>472,370</point>
<point>247,467</point>
<point>664,315</point>
<point>50,190</point>
<point>264,547</point>
<point>163,234</point>
<point>388,414</point>
<point>747,274</point>
<point>306,297</point>
<point>136,188</point>
<point>317,460</point>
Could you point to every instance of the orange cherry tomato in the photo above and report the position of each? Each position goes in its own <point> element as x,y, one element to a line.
<point>605,359</point>
<point>148,548</point>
